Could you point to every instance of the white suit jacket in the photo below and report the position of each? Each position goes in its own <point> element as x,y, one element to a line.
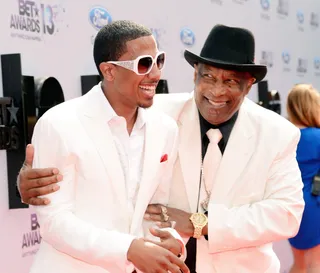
<point>88,228</point>
<point>257,195</point>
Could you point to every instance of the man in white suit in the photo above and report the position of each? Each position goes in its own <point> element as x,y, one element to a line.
<point>251,194</point>
<point>116,157</point>
<point>255,194</point>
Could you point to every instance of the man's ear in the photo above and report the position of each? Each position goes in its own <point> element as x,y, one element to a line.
<point>195,74</point>
<point>108,71</point>
<point>251,81</point>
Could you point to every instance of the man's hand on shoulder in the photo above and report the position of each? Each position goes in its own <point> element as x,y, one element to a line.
<point>33,183</point>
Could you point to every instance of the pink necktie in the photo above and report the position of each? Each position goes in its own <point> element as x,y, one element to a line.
<point>210,166</point>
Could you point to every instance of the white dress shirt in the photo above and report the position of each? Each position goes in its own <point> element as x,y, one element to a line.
<point>130,149</point>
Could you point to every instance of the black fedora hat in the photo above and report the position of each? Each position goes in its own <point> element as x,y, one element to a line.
<point>229,48</point>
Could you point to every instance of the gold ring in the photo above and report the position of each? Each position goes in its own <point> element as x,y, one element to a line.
<point>164,213</point>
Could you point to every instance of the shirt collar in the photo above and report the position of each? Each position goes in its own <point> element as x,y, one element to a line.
<point>225,127</point>
<point>111,114</point>
<point>141,118</point>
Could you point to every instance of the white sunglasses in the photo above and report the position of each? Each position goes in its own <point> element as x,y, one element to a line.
<point>143,64</point>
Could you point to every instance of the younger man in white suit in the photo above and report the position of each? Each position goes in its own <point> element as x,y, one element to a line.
<point>116,157</point>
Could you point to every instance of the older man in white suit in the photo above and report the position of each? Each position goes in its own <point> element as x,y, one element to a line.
<point>241,190</point>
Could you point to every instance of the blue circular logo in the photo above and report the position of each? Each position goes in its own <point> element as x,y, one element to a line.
<point>286,57</point>
<point>300,17</point>
<point>99,17</point>
<point>316,63</point>
<point>265,4</point>
<point>155,34</point>
<point>187,36</point>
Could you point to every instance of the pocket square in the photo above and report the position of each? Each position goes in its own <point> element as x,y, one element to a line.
<point>164,158</point>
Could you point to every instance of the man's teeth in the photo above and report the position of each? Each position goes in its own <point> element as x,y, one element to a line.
<point>149,88</point>
<point>218,103</point>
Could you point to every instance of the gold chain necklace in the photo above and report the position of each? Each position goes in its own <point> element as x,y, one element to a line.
<point>204,204</point>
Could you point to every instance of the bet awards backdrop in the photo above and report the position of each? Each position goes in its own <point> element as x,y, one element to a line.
<point>47,45</point>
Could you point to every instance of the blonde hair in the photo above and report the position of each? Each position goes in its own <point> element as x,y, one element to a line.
<point>303,105</point>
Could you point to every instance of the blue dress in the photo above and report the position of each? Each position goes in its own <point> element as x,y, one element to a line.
<point>308,157</point>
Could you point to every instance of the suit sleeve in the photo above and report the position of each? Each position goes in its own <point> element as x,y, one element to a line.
<point>167,180</point>
<point>274,218</point>
<point>59,226</point>
<point>162,193</point>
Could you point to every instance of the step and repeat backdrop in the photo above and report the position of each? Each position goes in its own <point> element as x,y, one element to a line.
<point>54,38</point>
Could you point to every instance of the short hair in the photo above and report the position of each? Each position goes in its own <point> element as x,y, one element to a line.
<point>303,105</point>
<point>110,42</point>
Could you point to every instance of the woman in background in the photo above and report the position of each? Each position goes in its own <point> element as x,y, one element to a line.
<point>303,107</point>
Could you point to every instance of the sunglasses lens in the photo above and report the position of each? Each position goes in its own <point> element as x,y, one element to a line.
<point>144,65</point>
<point>160,61</point>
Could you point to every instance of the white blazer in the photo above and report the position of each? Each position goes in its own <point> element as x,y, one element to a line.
<point>257,195</point>
<point>88,228</point>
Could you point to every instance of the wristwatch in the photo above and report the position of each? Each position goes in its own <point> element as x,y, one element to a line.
<point>199,221</point>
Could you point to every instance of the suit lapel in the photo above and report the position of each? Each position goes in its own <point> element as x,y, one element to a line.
<point>152,155</point>
<point>190,151</point>
<point>95,123</point>
<point>238,152</point>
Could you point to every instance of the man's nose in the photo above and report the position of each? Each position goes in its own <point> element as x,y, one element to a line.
<point>155,73</point>
<point>218,89</point>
